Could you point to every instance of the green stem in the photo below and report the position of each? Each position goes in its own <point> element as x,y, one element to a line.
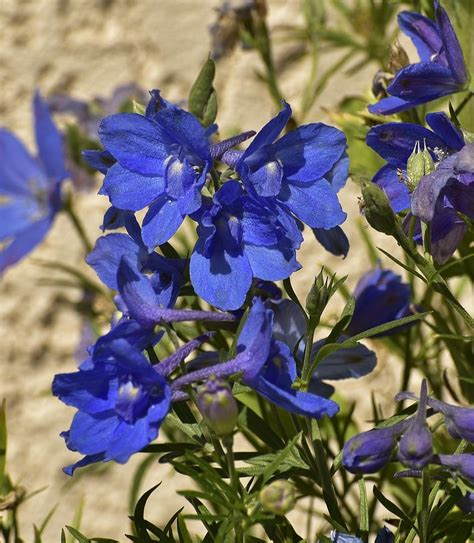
<point>228,443</point>
<point>305,373</point>
<point>76,221</point>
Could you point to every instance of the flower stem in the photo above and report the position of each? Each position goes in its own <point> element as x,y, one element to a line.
<point>464,103</point>
<point>77,223</point>
<point>228,443</point>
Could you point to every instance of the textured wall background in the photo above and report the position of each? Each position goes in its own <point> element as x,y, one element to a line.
<point>86,48</point>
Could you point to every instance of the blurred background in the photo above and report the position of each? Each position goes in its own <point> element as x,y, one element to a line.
<point>84,49</point>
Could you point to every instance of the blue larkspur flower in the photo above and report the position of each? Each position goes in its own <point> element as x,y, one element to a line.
<point>461,464</point>
<point>267,366</point>
<point>380,297</point>
<point>121,399</point>
<point>162,160</point>
<point>121,405</point>
<point>443,193</point>
<point>440,72</point>
<point>30,188</point>
<point>384,536</point>
<point>302,171</point>
<point>241,237</point>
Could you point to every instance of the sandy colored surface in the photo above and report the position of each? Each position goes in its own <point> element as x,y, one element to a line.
<point>86,48</point>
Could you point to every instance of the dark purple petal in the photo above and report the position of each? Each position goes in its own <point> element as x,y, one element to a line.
<point>425,81</point>
<point>452,47</point>
<point>444,128</point>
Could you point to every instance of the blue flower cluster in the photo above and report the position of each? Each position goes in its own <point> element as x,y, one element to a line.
<point>249,226</point>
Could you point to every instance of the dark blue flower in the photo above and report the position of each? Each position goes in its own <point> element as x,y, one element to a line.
<point>241,237</point>
<point>380,297</point>
<point>303,170</point>
<point>339,537</point>
<point>121,398</point>
<point>439,198</point>
<point>466,503</point>
<point>121,405</point>
<point>30,187</point>
<point>267,366</point>
<point>442,70</point>
<point>395,142</point>
<point>162,162</point>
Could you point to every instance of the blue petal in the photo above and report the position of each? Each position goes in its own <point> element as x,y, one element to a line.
<point>138,143</point>
<point>107,254</point>
<point>333,240</point>
<point>423,33</point>
<point>395,141</point>
<point>24,242</point>
<point>271,263</point>
<point>89,434</point>
<point>390,106</point>
<point>161,222</point>
<point>316,205</point>
<point>129,190</point>
<point>353,362</point>
<point>185,129</point>
<point>222,279</point>
<point>138,294</point>
<point>88,391</point>
<point>289,322</point>
<point>99,160</point>
<point>339,173</point>
<point>86,461</point>
<point>17,167</point>
<point>423,82</point>
<point>444,128</point>
<point>49,141</point>
<point>310,151</point>
<point>263,173</point>
<point>129,439</point>
<point>426,193</point>
<point>17,215</point>
<point>269,133</point>
<point>452,47</point>
<point>397,192</point>
<point>277,389</point>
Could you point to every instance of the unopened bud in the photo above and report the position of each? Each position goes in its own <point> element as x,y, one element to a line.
<point>377,209</point>
<point>278,497</point>
<point>218,407</point>
<point>416,444</point>
<point>317,296</point>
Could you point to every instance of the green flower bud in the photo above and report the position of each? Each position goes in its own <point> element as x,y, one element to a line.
<point>218,407</point>
<point>278,497</point>
<point>377,209</point>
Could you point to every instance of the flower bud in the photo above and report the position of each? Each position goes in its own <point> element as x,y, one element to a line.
<point>459,420</point>
<point>419,164</point>
<point>368,452</point>
<point>218,407</point>
<point>463,464</point>
<point>318,296</point>
<point>377,209</point>
<point>416,444</point>
<point>278,497</point>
